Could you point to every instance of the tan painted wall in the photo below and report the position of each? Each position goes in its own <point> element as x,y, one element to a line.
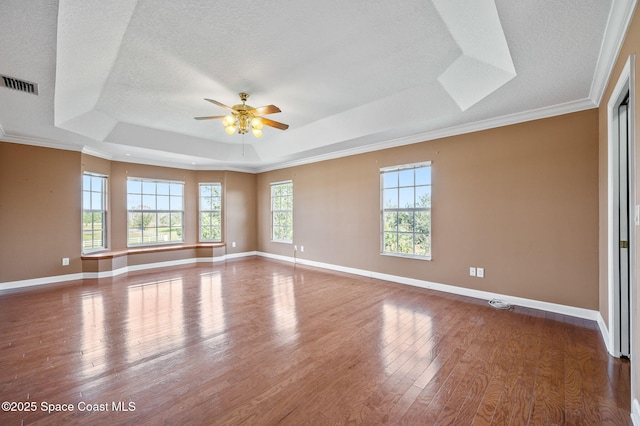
<point>629,47</point>
<point>40,208</point>
<point>40,202</point>
<point>520,201</point>
<point>240,212</point>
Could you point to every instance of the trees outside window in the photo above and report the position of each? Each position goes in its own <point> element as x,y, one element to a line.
<point>282,211</point>
<point>406,210</point>
<point>210,205</point>
<point>155,211</point>
<point>94,211</point>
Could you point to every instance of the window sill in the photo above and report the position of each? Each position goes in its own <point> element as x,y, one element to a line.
<point>407,256</point>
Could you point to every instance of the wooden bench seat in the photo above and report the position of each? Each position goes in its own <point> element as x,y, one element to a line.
<point>133,258</point>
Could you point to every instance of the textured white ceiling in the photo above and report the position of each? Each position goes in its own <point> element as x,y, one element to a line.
<point>124,79</point>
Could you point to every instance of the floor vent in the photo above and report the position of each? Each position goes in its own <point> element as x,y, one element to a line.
<point>20,85</point>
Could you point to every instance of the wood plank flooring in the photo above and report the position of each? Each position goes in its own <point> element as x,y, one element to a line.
<point>256,341</point>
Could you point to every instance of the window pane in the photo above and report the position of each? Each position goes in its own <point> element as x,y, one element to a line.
<point>405,243</point>
<point>164,219</point>
<point>423,196</point>
<point>162,188</point>
<point>423,222</point>
<point>96,201</point>
<point>175,203</point>
<point>406,198</point>
<point>149,202</point>
<point>96,183</point>
<point>149,220</point>
<point>176,189</point>
<point>391,221</point>
<point>423,176</point>
<point>148,187</point>
<point>86,200</point>
<point>134,187</point>
<point>163,202</point>
<point>406,177</point>
<point>422,244</point>
<point>390,198</point>
<point>390,242</point>
<point>134,202</point>
<point>390,179</point>
<point>405,221</point>
<point>97,220</point>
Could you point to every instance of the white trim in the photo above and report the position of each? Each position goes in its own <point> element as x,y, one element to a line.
<point>588,314</point>
<point>604,332</point>
<point>635,412</point>
<point>12,285</point>
<point>625,83</point>
<point>617,26</point>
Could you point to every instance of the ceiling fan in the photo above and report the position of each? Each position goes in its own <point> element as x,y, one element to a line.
<point>244,117</point>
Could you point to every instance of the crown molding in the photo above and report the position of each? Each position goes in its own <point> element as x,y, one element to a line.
<point>617,26</point>
<point>45,143</point>
<point>506,120</point>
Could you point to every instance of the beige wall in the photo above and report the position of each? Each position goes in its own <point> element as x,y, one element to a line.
<point>40,208</point>
<point>520,201</point>
<point>40,202</point>
<point>630,46</point>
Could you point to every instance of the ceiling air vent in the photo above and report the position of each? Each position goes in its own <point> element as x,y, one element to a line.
<point>20,85</point>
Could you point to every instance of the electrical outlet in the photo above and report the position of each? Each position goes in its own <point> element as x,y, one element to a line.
<point>301,248</point>
<point>65,261</point>
<point>480,272</point>
<point>233,244</point>
<point>472,271</point>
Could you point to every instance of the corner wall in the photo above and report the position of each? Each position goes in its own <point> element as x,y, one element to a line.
<point>41,217</point>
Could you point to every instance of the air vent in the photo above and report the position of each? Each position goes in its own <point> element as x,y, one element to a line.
<point>20,85</point>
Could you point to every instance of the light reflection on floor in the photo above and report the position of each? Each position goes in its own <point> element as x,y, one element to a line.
<point>155,318</point>
<point>212,315</point>
<point>406,334</point>
<point>285,318</point>
<point>93,345</point>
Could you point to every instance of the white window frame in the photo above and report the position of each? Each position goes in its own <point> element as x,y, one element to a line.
<point>103,210</point>
<point>202,209</point>
<point>275,212</point>
<point>155,211</point>
<point>411,210</point>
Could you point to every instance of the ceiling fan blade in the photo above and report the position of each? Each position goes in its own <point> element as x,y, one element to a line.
<point>269,109</point>
<point>211,117</point>
<point>275,124</point>
<point>219,104</point>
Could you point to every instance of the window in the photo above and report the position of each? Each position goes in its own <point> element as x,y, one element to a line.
<point>94,211</point>
<point>282,211</point>
<point>210,212</point>
<point>406,210</point>
<point>155,211</point>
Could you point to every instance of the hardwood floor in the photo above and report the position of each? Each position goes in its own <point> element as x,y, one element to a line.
<point>256,341</point>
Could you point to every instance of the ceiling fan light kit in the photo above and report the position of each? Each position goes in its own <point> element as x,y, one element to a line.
<point>244,117</point>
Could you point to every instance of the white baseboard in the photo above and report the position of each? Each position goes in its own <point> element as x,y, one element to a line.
<point>635,412</point>
<point>519,301</point>
<point>604,332</point>
<point>12,285</point>
<point>529,303</point>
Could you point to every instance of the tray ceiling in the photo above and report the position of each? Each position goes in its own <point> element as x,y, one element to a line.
<point>123,80</point>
